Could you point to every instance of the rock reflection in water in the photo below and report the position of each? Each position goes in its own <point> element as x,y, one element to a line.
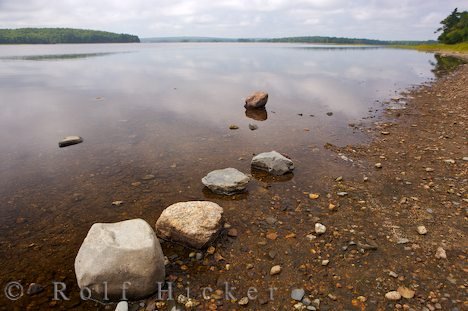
<point>257,114</point>
<point>265,177</point>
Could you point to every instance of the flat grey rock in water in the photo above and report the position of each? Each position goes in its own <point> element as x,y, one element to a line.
<point>272,162</point>
<point>70,140</point>
<point>194,223</point>
<point>126,251</point>
<point>226,181</point>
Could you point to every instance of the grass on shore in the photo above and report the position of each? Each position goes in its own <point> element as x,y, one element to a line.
<point>438,47</point>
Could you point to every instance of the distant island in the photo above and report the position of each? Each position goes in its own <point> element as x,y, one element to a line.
<point>303,39</point>
<point>62,35</point>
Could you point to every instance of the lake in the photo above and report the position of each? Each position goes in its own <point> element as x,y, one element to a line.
<point>165,110</point>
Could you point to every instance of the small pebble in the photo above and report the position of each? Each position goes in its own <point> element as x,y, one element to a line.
<point>320,229</point>
<point>233,127</point>
<point>232,232</point>
<point>325,262</point>
<point>253,127</point>
<point>393,274</point>
<point>244,301</point>
<point>34,289</point>
<point>440,253</point>
<point>275,270</point>
<point>393,295</point>
<point>403,241</point>
<point>406,292</point>
<point>378,165</point>
<point>148,177</point>
<point>422,230</point>
<point>314,196</point>
<point>297,294</point>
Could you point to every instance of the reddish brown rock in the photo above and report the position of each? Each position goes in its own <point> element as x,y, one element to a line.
<point>256,100</point>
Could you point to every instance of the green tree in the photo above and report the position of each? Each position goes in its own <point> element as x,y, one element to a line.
<point>61,35</point>
<point>454,28</point>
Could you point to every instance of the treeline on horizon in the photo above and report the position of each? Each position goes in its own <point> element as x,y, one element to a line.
<point>62,35</point>
<point>339,40</point>
<point>303,39</point>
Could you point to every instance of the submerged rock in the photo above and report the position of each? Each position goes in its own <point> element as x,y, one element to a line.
<point>226,181</point>
<point>273,162</point>
<point>253,127</point>
<point>34,288</point>
<point>194,223</point>
<point>256,100</point>
<point>70,140</point>
<point>125,253</point>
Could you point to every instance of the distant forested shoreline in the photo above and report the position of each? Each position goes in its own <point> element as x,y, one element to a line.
<point>304,39</point>
<point>62,35</point>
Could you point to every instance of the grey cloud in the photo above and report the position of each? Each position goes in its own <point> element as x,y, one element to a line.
<point>382,19</point>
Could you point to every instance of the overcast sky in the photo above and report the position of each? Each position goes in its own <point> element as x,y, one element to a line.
<point>375,19</point>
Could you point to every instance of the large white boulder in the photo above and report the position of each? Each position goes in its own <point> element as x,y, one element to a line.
<point>194,223</point>
<point>226,181</point>
<point>273,162</point>
<point>126,255</point>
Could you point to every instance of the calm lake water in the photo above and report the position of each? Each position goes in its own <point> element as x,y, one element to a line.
<point>165,110</point>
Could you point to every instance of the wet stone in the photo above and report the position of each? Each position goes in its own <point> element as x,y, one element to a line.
<point>226,181</point>
<point>273,162</point>
<point>70,140</point>
<point>232,232</point>
<point>256,100</point>
<point>148,177</point>
<point>34,289</point>
<point>253,127</point>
